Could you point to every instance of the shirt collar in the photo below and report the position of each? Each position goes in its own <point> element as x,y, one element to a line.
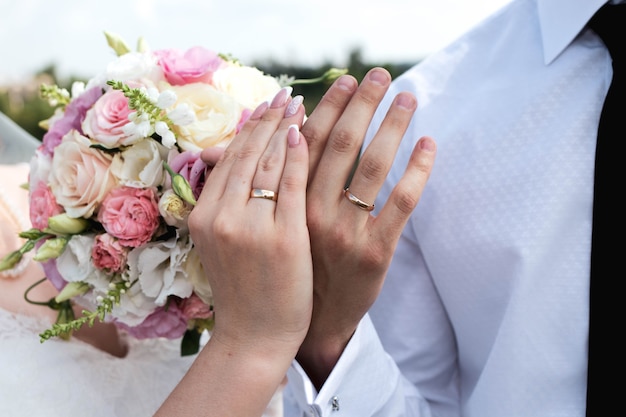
<point>561,21</point>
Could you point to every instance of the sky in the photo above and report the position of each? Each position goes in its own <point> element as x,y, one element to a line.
<point>70,33</point>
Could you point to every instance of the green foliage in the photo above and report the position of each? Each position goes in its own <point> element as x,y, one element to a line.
<point>313,93</point>
<point>24,104</point>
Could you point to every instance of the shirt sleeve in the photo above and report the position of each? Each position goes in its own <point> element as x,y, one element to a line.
<point>365,382</point>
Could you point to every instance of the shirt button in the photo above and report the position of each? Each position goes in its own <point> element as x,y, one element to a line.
<point>335,403</point>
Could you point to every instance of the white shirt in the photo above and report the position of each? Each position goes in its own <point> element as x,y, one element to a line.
<point>485,307</point>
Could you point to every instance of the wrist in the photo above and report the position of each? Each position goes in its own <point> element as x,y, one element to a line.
<point>320,352</point>
<point>214,384</point>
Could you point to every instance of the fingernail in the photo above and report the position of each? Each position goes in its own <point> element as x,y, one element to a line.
<point>379,76</point>
<point>427,144</point>
<point>406,101</point>
<point>347,83</point>
<point>293,106</point>
<point>258,112</point>
<point>293,135</point>
<point>281,97</point>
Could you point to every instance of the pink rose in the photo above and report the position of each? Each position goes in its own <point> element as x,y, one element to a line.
<point>72,119</point>
<point>194,308</point>
<point>104,122</point>
<point>192,168</point>
<point>195,65</point>
<point>130,214</point>
<point>108,254</point>
<point>167,322</point>
<point>43,205</point>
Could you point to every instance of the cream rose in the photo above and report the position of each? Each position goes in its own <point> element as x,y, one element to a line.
<point>80,177</point>
<point>174,209</point>
<point>140,165</point>
<point>217,116</point>
<point>248,85</point>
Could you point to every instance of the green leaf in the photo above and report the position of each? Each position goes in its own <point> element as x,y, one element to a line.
<point>190,345</point>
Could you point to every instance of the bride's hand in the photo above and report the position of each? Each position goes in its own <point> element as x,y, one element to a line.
<point>256,251</point>
<point>257,258</point>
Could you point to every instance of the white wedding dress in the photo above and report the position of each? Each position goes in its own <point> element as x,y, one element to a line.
<point>72,378</point>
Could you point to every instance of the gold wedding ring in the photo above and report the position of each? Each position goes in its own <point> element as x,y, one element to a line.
<point>357,201</point>
<point>261,193</point>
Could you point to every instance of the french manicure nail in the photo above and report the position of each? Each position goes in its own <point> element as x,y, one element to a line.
<point>293,106</point>
<point>281,97</point>
<point>293,135</point>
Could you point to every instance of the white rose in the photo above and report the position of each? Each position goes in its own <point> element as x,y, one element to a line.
<point>140,165</point>
<point>80,176</point>
<point>248,85</point>
<point>217,116</point>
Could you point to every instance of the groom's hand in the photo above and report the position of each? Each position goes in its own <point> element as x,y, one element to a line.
<point>351,248</point>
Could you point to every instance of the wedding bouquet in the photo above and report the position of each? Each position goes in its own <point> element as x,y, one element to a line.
<point>114,181</point>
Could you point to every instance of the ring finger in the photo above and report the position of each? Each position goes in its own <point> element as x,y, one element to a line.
<point>270,167</point>
<point>376,161</point>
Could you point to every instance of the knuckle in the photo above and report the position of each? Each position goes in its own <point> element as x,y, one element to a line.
<point>223,230</point>
<point>226,157</point>
<point>372,168</point>
<point>269,161</point>
<point>245,153</point>
<point>369,99</point>
<point>313,136</point>
<point>405,201</point>
<point>343,142</point>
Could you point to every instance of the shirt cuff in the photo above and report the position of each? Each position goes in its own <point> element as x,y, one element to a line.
<point>363,379</point>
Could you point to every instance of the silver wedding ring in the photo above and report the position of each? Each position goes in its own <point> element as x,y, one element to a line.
<point>261,193</point>
<point>357,201</point>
